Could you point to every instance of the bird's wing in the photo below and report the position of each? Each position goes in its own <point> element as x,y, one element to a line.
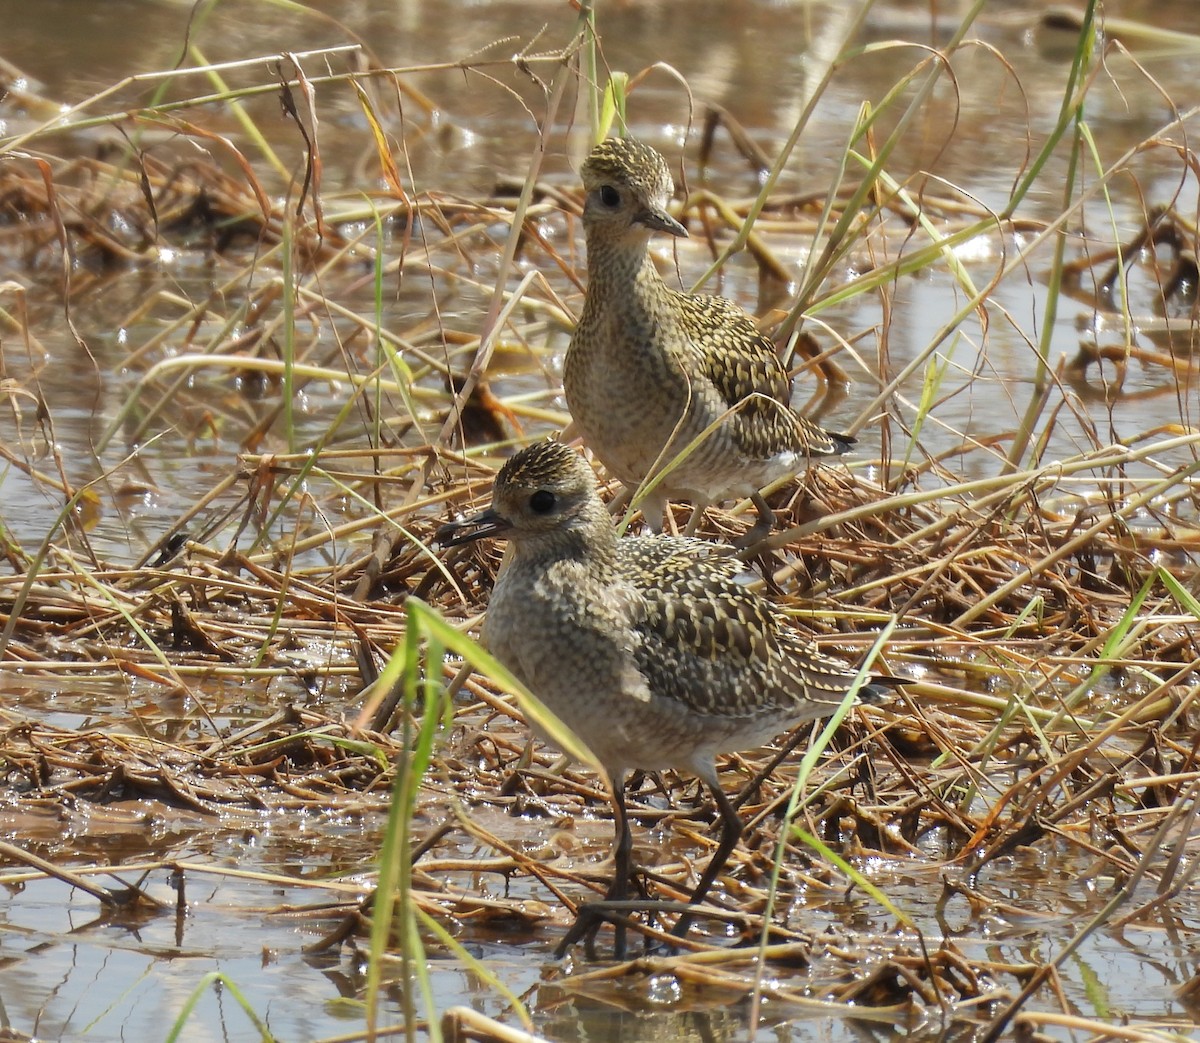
<point>729,350</point>
<point>739,363</point>
<point>706,640</point>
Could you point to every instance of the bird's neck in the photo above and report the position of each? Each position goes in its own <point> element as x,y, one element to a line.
<point>620,271</point>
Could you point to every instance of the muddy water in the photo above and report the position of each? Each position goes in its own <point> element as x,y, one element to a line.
<point>70,975</point>
<point>757,60</point>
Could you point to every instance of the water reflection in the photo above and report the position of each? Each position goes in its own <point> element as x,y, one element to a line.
<point>70,972</point>
<point>761,66</point>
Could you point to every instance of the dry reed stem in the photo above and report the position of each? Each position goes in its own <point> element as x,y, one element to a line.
<point>1042,717</point>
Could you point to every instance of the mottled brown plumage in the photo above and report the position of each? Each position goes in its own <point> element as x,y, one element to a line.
<point>648,648</point>
<point>649,368</point>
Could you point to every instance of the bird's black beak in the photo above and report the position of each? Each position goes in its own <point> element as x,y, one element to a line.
<point>661,221</point>
<point>467,530</point>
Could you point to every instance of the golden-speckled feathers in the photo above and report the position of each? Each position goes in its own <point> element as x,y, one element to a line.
<point>726,348</point>
<point>630,163</point>
<point>543,464</point>
<point>648,649</point>
<point>707,641</point>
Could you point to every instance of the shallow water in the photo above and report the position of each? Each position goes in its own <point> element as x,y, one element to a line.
<point>756,59</point>
<point>72,972</point>
<point>67,974</point>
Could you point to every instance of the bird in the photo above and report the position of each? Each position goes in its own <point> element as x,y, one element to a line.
<point>649,369</point>
<point>649,648</point>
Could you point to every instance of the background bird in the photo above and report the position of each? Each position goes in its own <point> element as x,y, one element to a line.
<point>650,369</point>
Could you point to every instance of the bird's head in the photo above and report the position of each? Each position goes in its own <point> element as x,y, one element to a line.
<point>628,186</point>
<point>545,490</point>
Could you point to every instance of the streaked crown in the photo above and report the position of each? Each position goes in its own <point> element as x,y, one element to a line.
<point>547,488</point>
<point>547,463</point>
<point>629,163</point>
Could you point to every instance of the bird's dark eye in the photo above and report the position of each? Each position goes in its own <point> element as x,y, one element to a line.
<point>542,501</point>
<point>609,196</point>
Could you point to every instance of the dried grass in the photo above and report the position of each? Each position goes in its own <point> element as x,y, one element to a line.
<point>1047,613</point>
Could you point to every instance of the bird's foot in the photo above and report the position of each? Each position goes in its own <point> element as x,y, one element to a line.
<point>590,918</point>
<point>752,537</point>
<point>760,530</point>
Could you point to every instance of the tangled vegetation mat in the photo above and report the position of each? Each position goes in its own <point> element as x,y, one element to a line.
<point>290,644</point>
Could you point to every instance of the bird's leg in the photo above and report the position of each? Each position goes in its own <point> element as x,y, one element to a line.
<point>622,866</point>
<point>798,735</point>
<point>761,528</point>
<point>617,505</point>
<point>521,769</point>
<point>654,511</point>
<point>731,831</point>
<point>513,782</point>
<point>589,917</point>
<point>694,520</point>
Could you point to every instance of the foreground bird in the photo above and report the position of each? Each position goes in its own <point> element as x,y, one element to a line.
<point>647,648</point>
<point>649,369</point>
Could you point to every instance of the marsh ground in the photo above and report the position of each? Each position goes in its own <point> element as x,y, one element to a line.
<point>258,365</point>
